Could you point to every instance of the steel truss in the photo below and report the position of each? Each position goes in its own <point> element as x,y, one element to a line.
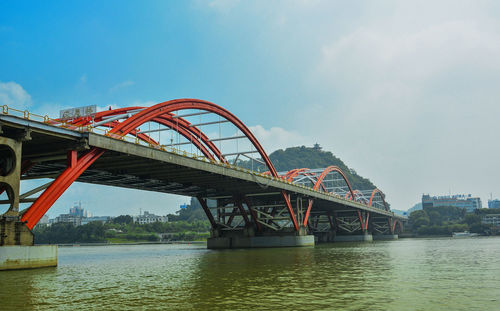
<point>280,211</point>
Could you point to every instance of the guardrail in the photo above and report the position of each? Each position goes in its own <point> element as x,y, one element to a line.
<point>25,114</point>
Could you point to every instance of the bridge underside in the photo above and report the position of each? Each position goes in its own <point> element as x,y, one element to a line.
<point>239,203</point>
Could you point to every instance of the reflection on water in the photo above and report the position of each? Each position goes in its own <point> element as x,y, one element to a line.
<point>425,274</point>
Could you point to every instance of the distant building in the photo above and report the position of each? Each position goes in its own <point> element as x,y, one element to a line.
<point>75,220</point>
<point>491,219</point>
<point>44,220</point>
<point>494,203</point>
<point>148,218</point>
<point>103,219</point>
<point>78,210</point>
<point>463,201</point>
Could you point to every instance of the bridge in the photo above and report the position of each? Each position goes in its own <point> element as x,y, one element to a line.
<point>248,203</point>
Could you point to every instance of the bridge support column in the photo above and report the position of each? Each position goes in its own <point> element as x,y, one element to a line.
<point>16,239</point>
<point>385,237</point>
<point>365,237</point>
<point>325,237</point>
<point>260,241</point>
<point>249,239</point>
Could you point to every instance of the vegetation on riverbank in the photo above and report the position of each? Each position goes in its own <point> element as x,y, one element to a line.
<point>120,232</point>
<point>445,220</point>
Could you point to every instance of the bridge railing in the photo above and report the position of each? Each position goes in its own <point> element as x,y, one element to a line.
<point>25,114</point>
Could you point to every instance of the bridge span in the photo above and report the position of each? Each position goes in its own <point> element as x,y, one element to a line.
<point>245,207</point>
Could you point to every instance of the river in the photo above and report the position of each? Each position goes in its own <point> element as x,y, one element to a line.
<point>408,274</point>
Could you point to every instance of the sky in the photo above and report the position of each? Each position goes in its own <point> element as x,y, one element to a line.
<point>404,92</point>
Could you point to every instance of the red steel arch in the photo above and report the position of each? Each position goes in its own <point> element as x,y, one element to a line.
<point>377,191</point>
<point>333,169</point>
<point>359,195</point>
<point>319,182</point>
<point>394,223</point>
<point>158,113</point>
<point>179,124</point>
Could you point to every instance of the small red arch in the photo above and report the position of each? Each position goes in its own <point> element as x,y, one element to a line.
<point>333,169</point>
<point>394,223</point>
<point>377,191</point>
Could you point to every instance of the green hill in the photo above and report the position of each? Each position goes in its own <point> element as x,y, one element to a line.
<point>285,160</point>
<point>310,157</point>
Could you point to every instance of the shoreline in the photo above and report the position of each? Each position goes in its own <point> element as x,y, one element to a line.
<point>131,243</point>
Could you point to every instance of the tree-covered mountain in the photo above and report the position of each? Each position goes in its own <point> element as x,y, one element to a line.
<point>309,157</point>
<point>284,160</point>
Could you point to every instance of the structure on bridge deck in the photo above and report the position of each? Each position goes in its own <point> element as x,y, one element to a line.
<point>123,147</point>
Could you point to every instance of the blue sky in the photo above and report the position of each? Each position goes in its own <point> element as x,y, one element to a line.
<point>406,93</point>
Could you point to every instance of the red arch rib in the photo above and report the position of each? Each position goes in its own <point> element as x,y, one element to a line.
<point>375,191</point>
<point>180,125</point>
<point>57,188</point>
<point>183,104</point>
<point>319,182</point>
<point>290,175</point>
<point>394,223</point>
<point>333,169</point>
<point>36,211</point>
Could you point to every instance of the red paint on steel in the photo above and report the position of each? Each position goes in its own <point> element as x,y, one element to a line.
<point>253,213</point>
<point>361,221</point>
<point>182,104</point>
<point>364,223</point>
<point>290,210</point>
<point>333,169</point>
<point>204,205</point>
<point>308,211</point>
<point>394,223</point>
<point>290,175</point>
<point>242,211</point>
<point>71,158</point>
<point>348,195</point>
<point>376,191</point>
<point>367,219</point>
<point>36,211</point>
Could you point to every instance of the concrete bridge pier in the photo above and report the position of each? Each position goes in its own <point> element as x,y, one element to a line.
<point>325,236</point>
<point>378,237</point>
<point>364,237</point>
<point>248,239</point>
<point>17,250</point>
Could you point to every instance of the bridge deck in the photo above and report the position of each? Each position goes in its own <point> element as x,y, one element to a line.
<point>130,165</point>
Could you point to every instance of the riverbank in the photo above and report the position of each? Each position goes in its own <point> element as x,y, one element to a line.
<point>131,243</point>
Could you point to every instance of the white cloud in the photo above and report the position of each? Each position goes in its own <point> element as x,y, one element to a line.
<point>277,138</point>
<point>404,92</point>
<point>14,95</point>
<point>412,107</point>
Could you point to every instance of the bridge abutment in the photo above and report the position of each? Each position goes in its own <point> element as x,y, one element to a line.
<point>17,250</point>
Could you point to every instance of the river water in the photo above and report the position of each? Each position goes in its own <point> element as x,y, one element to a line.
<point>408,274</point>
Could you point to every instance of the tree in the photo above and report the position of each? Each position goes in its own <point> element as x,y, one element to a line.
<point>418,219</point>
<point>435,218</point>
<point>472,219</point>
<point>123,219</point>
